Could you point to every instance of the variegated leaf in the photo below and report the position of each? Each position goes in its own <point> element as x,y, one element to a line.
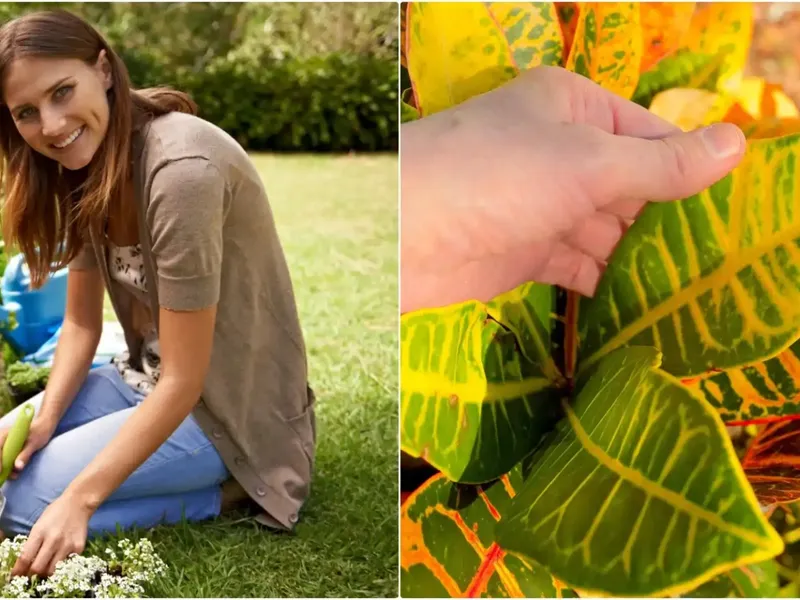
<point>713,281</point>
<point>758,393</point>
<point>458,50</point>
<point>639,492</point>
<point>448,546</point>
<point>684,69</point>
<point>608,45</point>
<point>664,25</point>
<point>479,386</point>
<point>568,13</point>
<point>771,128</point>
<point>724,27</point>
<point>772,463</point>
<point>759,580</point>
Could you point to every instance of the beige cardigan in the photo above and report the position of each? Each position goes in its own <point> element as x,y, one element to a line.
<point>208,236</point>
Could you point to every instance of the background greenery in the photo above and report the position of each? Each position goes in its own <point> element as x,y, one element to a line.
<point>305,77</point>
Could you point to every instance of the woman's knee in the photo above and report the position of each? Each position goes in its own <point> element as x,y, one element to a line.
<point>26,500</point>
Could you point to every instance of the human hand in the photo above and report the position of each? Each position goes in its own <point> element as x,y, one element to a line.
<point>61,530</point>
<point>537,181</point>
<point>40,433</point>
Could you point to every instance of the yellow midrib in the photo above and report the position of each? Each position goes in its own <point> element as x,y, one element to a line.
<point>474,392</point>
<point>733,264</point>
<point>672,498</point>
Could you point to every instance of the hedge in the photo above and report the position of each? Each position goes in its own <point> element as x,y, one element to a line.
<point>331,103</point>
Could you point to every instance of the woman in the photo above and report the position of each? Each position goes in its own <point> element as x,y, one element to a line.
<point>165,211</point>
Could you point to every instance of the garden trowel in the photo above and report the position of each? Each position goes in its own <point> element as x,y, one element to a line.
<point>13,446</point>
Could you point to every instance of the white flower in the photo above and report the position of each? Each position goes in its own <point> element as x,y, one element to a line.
<point>120,575</point>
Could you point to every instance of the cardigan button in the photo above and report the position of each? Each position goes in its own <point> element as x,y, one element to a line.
<point>239,460</point>
<point>216,432</point>
<point>261,491</point>
<point>293,518</point>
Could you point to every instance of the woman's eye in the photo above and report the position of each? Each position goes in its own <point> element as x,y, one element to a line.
<point>62,91</point>
<point>24,113</point>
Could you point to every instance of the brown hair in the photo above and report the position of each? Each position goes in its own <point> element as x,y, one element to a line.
<point>47,207</point>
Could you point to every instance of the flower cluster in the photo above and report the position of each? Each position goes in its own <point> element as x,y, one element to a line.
<point>123,573</point>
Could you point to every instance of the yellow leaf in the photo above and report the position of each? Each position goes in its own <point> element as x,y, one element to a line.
<point>691,108</point>
<point>608,45</point>
<point>456,50</point>
<point>723,27</point>
<point>762,99</point>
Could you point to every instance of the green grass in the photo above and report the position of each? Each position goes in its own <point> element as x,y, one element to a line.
<point>337,218</point>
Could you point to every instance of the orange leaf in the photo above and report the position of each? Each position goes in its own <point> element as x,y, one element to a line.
<point>772,463</point>
<point>664,25</point>
<point>568,13</point>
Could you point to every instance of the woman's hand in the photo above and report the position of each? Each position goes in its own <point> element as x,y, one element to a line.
<point>61,530</point>
<point>537,180</point>
<point>40,433</point>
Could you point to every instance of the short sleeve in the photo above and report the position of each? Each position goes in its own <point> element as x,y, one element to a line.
<point>85,260</point>
<point>185,218</point>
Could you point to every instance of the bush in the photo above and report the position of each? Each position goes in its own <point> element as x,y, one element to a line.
<point>332,103</point>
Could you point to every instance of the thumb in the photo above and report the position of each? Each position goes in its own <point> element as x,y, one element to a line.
<point>676,166</point>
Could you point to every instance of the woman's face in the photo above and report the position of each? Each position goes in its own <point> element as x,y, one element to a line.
<point>60,106</point>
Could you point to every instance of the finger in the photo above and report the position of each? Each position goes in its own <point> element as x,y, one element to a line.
<point>28,554</point>
<point>595,105</point>
<point>57,557</point>
<point>41,564</point>
<point>671,168</point>
<point>596,236</point>
<point>572,269</point>
<point>626,209</point>
<point>25,455</point>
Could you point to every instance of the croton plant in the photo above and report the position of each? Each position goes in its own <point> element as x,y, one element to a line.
<point>588,446</point>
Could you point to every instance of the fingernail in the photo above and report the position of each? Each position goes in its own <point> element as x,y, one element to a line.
<point>722,140</point>
<point>20,464</point>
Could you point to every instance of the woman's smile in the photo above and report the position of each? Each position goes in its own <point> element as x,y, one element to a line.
<point>69,141</point>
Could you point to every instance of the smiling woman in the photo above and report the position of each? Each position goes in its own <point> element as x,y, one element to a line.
<point>166,212</point>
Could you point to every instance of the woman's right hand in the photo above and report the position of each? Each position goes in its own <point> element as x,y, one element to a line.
<point>40,433</point>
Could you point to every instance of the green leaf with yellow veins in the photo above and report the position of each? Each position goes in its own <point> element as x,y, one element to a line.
<point>752,581</point>
<point>458,50</point>
<point>607,47</point>
<point>479,387</point>
<point>713,281</point>
<point>639,492</point>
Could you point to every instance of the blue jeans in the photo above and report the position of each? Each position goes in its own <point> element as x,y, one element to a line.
<point>182,478</point>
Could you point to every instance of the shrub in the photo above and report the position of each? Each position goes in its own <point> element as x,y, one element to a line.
<point>581,442</point>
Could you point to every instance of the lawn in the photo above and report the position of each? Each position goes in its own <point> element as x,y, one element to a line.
<point>337,218</point>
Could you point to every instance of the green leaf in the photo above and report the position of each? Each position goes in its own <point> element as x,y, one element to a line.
<point>684,69</point>
<point>713,281</point>
<point>455,51</point>
<point>479,387</point>
<point>759,580</point>
<point>607,47</point>
<point>640,491</point>
<point>448,546</point>
<point>408,113</point>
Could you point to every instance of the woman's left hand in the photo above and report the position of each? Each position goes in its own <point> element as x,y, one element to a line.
<point>61,530</point>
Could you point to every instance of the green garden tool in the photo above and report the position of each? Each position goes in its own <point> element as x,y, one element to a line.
<point>13,446</point>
